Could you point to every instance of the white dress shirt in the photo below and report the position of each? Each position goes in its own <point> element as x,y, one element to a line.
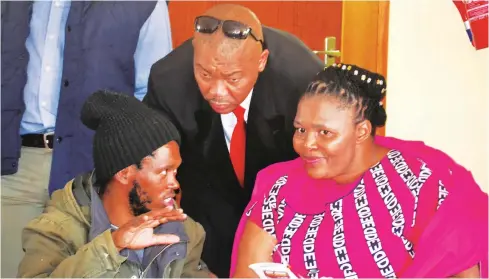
<point>229,120</point>
<point>45,45</point>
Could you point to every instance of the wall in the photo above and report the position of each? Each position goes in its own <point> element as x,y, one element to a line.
<point>438,83</point>
<point>305,19</point>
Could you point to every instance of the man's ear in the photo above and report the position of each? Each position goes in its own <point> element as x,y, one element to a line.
<point>263,60</point>
<point>126,176</point>
<point>363,130</point>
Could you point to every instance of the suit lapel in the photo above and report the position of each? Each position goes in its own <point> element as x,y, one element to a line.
<point>264,130</point>
<point>264,140</point>
<point>218,166</point>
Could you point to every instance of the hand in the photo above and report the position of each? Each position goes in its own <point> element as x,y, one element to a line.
<point>138,233</point>
<point>255,246</point>
<point>473,272</point>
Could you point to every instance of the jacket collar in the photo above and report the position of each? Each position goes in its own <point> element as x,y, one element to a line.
<point>101,223</point>
<point>85,191</point>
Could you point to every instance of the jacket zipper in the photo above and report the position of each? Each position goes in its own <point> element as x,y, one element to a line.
<point>151,262</point>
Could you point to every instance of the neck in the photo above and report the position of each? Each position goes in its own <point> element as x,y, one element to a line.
<point>116,204</point>
<point>367,154</point>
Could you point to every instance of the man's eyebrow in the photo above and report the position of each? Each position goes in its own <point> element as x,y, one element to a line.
<point>201,67</point>
<point>232,73</point>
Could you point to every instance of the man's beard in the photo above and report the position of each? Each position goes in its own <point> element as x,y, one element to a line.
<point>138,203</point>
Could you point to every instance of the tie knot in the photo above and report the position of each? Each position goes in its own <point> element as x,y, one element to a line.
<point>239,113</point>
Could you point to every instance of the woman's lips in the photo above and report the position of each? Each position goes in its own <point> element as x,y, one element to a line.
<point>312,160</point>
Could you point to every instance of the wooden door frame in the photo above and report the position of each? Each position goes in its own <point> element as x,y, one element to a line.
<point>364,35</point>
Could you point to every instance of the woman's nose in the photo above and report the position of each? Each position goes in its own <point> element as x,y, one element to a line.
<point>310,141</point>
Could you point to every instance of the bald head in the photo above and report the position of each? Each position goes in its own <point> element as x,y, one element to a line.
<point>225,45</point>
<point>237,13</point>
<point>226,69</point>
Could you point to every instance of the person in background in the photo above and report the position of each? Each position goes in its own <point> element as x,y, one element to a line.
<point>54,54</point>
<point>119,220</point>
<point>356,205</point>
<point>232,92</point>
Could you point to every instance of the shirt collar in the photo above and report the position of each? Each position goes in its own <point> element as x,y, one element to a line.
<point>246,105</point>
<point>247,101</point>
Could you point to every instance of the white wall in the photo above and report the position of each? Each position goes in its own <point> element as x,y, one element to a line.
<point>438,83</point>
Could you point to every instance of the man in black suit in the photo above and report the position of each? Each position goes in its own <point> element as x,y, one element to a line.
<point>232,91</point>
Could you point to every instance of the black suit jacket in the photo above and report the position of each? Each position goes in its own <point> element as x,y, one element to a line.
<point>211,193</point>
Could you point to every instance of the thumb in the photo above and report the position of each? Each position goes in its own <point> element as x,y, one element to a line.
<point>162,239</point>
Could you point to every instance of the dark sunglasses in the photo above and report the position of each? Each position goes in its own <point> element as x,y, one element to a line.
<point>231,28</point>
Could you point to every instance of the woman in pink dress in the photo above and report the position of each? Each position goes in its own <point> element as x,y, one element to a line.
<point>358,205</point>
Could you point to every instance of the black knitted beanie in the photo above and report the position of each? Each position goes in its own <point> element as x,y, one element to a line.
<point>126,131</point>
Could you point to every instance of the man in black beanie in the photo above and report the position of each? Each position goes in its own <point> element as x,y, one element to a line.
<point>120,220</point>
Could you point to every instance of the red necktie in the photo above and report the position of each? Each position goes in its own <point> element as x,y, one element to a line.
<point>237,150</point>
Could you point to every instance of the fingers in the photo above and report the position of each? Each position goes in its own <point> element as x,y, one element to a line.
<point>156,212</point>
<point>157,217</point>
<point>160,213</point>
<point>139,222</point>
<point>163,239</point>
<point>172,213</point>
<point>172,218</point>
<point>149,219</point>
<point>152,224</point>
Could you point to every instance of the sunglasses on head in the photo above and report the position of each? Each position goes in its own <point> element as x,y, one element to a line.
<point>231,28</point>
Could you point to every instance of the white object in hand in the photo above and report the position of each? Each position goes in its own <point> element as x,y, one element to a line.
<point>272,271</point>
